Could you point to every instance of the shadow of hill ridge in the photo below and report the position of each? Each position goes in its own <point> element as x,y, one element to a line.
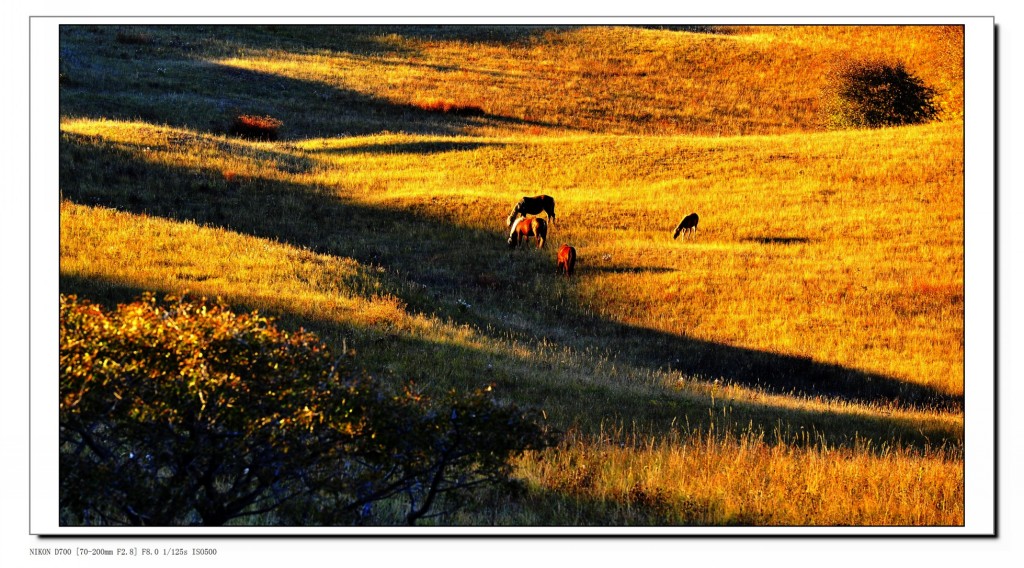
<point>429,253</point>
<point>772,372</point>
<point>373,39</point>
<point>162,80</point>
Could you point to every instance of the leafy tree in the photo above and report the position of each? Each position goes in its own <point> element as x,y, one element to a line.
<point>183,412</point>
<point>878,93</point>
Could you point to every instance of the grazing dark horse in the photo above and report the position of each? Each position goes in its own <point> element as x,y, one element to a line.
<point>528,227</point>
<point>533,206</point>
<point>566,260</point>
<point>689,223</point>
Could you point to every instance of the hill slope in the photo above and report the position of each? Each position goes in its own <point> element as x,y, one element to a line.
<point>817,315</point>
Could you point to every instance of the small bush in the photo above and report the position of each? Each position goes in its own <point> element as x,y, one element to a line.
<point>876,94</point>
<point>254,127</point>
<point>182,412</point>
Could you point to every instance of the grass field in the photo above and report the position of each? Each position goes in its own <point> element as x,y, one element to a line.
<point>798,361</point>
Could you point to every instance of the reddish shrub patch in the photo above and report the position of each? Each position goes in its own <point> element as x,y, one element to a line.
<point>255,127</point>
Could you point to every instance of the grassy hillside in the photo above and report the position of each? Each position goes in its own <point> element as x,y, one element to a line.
<point>811,331</point>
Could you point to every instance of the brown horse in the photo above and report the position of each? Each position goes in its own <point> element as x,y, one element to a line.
<point>528,227</point>
<point>566,260</point>
<point>532,206</point>
<point>689,223</point>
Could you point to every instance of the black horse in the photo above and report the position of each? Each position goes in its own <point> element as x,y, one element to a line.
<point>689,223</point>
<point>533,206</point>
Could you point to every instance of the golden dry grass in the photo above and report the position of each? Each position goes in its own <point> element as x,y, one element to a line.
<point>840,247</point>
<point>754,80</point>
<point>700,480</point>
<point>837,252</point>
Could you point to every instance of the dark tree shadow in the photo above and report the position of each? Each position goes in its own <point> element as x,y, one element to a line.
<point>431,147</point>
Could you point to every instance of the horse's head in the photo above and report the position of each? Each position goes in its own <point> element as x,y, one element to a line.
<point>512,217</point>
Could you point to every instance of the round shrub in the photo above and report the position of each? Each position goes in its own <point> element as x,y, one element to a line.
<point>878,93</point>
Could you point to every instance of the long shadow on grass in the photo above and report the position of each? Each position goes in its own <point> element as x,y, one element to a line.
<point>579,398</point>
<point>439,267</point>
<point>424,147</point>
<point>164,75</point>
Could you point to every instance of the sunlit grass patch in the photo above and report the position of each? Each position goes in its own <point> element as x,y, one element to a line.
<point>144,253</point>
<point>753,479</point>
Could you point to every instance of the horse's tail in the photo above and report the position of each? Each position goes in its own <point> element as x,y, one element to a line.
<point>566,259</point>
<point>540,230</point>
